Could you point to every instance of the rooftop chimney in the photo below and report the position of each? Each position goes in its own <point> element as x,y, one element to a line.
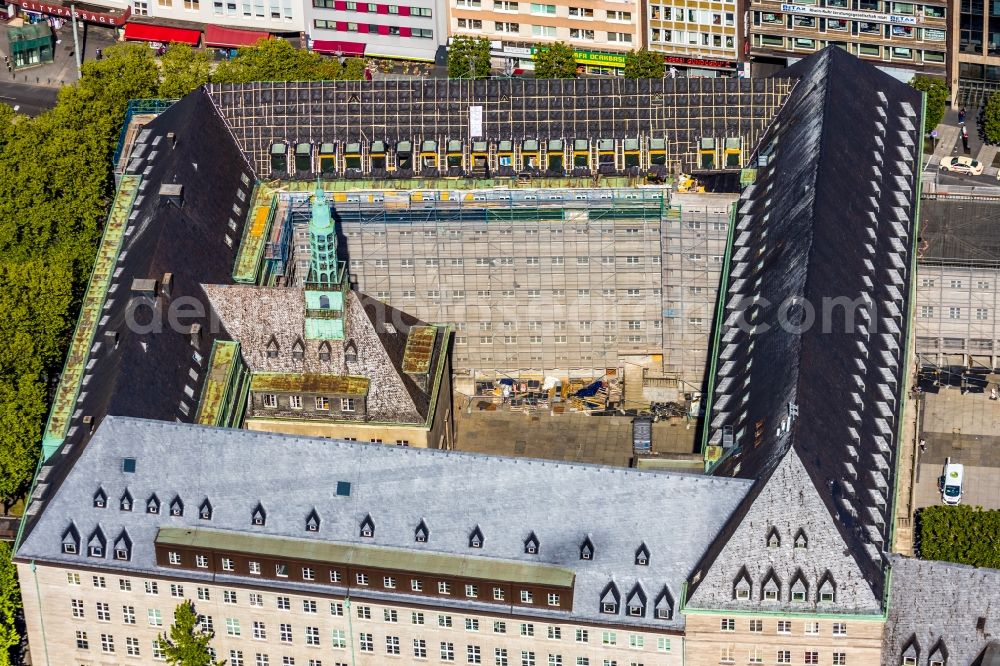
<point>196,335</point>
<point>172,193</point>
<point>172,139</point>
<point>166,284</point>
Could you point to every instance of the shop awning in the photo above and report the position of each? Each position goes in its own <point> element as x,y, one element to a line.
<point>232,38</point>
<point>344,48</point>
<point>144,32</point>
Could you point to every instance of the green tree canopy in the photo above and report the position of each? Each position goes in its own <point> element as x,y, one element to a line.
<point>555,61</point>
<point>643,64</point>
<point>188,642</point>
<point>937,94</point>
<point>469,58</point>
<point>991,119</point>
<point>183,69</point>
<point>10,605</point>
<point>963,534</point>
<point>277,60</point>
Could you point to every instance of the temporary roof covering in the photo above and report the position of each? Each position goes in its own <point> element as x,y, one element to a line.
<point>230,38</point>
<point>332,46</point>
<point>158,33</point>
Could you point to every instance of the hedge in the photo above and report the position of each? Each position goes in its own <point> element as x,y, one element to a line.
<point>961,534</point>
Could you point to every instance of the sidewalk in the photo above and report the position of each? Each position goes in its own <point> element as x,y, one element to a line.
<point>62,70</point>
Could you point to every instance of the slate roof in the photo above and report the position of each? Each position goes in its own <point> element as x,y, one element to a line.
<point>675,515</point>
<point>830,216</point>
<point>254,315</point>
<point>939,605</point>
<point>961,232</point>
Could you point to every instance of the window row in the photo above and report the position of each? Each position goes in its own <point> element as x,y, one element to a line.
<point>783,627</point>
<point>373,8</point>
<point>928,312</point>
<point>373,28</point>
<point>756,656</point>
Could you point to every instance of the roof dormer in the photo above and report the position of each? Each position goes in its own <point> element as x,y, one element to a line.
<point>368,527</point>
<point>771,588</point>
<point>635,602</point>
<point>298,349</point>
<point>123,547</point>
<point>71,540</point>
<point>351,351</point>
<point>125,502</point>
<point>773,539</point>
<point>742,585</point>
<point>205,510</point>
<point>826,591</point>
<point>663,608</point>
<point>324,350</point>
<point>97,543</point>
<point>312,521</point>
<point>153,504</point>
<point>610,599</point>
<point>531,544</point>
<point>587,549</point>
<point>258,516</point>
<point>272,348</point>
<point>799,589</point>
<point>642,555</point>
<point>939,654</point>
<point>911,652</point>
<point>176,507</point>
<point>476,538</point>
<point>801,540</point>
<point>100,499</point>
<point>421,533</point>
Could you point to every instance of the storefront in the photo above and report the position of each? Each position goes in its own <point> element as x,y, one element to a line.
<point>30,44</point>
<point>337,47</point>
<point>597,62</point>
<point>700,66</point>
<point>231,39</point>
<point>114,18</point>
<point>161,34</point>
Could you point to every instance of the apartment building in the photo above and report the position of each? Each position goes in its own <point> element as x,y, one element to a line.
<point>900,38</point>
<point>974,56</point>
<point>697,38</point>
<point>338,554</point>
<point>601,32</point>
<point>415,30</point>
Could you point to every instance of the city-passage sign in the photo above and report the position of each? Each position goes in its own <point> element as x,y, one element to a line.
<point>103,18</point>
<point>848,14</point>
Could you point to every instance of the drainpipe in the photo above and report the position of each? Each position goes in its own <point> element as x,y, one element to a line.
<point>76,41</point>
<point>41,619</point>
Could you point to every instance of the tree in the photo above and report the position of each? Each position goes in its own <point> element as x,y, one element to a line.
<point>643,64</point>
<point>555,61</point>
<point>963,534</point>
<point>937,94</point>
<point>188,642</point>
<point>183,69</point>
<point>991,119</point>
<point>277,60</point>
<point>10,605</point>
<point>469,58</point>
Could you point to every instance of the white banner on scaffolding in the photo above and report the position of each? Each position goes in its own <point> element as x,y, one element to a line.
<point>475,121</point>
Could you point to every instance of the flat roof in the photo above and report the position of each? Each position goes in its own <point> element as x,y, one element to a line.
<point>960,231</point>
<point>380,557</point>
<point>282,382</point>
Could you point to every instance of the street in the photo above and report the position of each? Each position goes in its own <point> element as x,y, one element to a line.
<point>27,98</point>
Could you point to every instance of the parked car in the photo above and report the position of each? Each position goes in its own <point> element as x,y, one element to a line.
<point>962,164</point>
<point>951,483</point>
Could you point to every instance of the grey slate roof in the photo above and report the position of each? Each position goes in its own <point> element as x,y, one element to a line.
<point>252,315</point>
<point>934,604</point>
<point>675,515</point>
<point>830,216</point>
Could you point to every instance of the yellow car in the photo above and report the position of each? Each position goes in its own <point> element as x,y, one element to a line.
<point>960,164</point>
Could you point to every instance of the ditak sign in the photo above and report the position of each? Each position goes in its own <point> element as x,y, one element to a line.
<point>81,14</point>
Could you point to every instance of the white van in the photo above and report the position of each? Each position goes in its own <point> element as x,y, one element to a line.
<point>951,483</point>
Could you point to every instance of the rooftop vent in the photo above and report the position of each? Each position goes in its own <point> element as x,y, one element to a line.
<point>196,335</point>
<point>167,284</point>
<point>172,193</point>
<point>128,465</point>
<point>171,139</point>
<point>147,286</point>
<point>344,488</point>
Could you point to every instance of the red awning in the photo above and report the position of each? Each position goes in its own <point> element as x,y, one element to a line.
<point>344,48</point>
<point>144,32</point>
<point>231,38</point>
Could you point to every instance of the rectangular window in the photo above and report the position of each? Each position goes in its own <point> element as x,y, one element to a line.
<point>155,617</point>
<point>727,624</point>
<point>447,652</point>
<point>840,659</point>
<point>339,639</point>
<point>232,626</point>
<point>784,627</point>
<point>811,657</point>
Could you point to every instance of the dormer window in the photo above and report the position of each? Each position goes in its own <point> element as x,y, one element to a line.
<point>125,502</point>
<point>742,587</point>
<point>421,533</point>
<point>476,538</point>
<point>799,588</point>
<point>153,504</point>
<point>351,352</point>
<point>642,555</point>
<point>635,604</point>
<point>298,350</point>
<point>96,543</point>
<point>272,347</point>
<point>827,590</point>
<point>312,521</point>
<point>800,539</point>
<point>324,351</point>
<point>205,510</point>
<point>771,589</point>
<point>773,539</point>
<point>368,527</point>
<point>176,507</point>
<point>610,600</point>
<point>664,606</point>
<point>911,652</point>
<point>71,540</point>
<point>258,517</point>
<point>100,499</point>
<point>939,655</point>
<point>531,544</point>
<point>587,549</point>
<point>123,547</point>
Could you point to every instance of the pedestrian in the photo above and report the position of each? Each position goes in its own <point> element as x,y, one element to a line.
<point>961,116</point>
<point>923,445</point>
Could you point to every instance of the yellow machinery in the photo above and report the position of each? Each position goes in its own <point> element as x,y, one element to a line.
<point>352,156</point>
<point>428,155</point>
<point>631,153</point>
<point>686,183</point>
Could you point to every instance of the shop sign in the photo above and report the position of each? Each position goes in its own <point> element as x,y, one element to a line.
<point>594,58</point>
<point>520,51</point>
<point>698,62</point>
<point>848,14</point>
<point>81,14</point>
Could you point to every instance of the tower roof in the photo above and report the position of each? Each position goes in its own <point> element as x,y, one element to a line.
<point>321,222</point>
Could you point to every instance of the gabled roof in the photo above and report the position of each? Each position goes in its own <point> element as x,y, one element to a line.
<point>830,216</point>
<point>939,607</point>
<point>676,515</point>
